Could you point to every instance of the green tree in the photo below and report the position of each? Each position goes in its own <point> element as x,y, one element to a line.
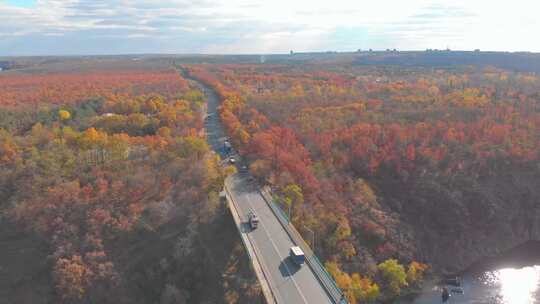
<point>293,197</point>
<point>394,275</point>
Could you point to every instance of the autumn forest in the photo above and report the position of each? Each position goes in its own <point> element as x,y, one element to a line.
<point>392,174</point>
<point>110,171</point>
<point>398,170</point>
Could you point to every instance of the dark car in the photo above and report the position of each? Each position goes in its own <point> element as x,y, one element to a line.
<point>253,220</point>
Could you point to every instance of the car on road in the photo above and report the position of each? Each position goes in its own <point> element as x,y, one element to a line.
<point>297,255</point>
<point>232,160</point>
<point>253,220</point>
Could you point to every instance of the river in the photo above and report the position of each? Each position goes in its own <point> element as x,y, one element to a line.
<point>513,278</point>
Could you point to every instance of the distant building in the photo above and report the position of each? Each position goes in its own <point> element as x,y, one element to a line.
<point>292,53</point>
<point>477,51</point>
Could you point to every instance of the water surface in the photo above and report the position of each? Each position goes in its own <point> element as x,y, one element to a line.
<point>501,286</point>
<point>513,278</point>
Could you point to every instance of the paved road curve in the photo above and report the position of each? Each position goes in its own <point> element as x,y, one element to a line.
<point>289,283</point>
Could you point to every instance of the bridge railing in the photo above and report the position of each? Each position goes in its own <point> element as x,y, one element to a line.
<point>253,256</point>
<point>318,268</point>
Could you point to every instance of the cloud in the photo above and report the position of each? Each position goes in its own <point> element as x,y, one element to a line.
<point>257,26</point>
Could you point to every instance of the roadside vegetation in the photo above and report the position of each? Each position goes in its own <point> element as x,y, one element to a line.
<point>111,171</point>
<point>389,170</point>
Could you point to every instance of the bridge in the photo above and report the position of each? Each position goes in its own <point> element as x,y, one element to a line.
<point>268,246</point>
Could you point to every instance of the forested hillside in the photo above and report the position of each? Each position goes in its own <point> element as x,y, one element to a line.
<point>109,192</point>
<point>395,170</point>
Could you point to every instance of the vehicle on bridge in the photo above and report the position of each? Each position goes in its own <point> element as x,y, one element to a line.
<point>253,220</point>
<point>297,255</point>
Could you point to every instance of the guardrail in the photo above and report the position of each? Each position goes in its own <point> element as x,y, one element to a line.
<point>253,256</point>
<point>320,271</point>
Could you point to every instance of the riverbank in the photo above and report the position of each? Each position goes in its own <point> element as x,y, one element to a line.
<point>511,278</point>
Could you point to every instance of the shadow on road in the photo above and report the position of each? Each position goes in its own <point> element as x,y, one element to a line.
<point>288,268</point>
<point>245,227</point>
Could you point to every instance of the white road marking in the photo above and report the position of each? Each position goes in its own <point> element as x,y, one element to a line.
<point>281,257</point>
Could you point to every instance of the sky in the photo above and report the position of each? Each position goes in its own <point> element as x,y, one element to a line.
<point>93,27</point>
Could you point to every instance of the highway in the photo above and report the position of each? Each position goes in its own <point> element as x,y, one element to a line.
<point>290,284</point>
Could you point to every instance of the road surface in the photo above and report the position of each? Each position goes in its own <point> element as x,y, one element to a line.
<point>289,283</point>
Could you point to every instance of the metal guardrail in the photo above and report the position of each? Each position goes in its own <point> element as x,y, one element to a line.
<point>255,251</point>
<point>320,271</point>
<point>318,268</point>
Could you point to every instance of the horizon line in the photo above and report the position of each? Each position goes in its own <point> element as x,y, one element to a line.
<point>292,52</point>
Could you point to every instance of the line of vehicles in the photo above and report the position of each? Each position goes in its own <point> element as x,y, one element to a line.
<point>296,254</point>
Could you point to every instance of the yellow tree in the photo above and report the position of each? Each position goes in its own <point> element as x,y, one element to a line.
<point>357,289</point>
<point>415,272</point>
<point>394,275</point>
<point>64,115</point>
<point>364,289</point>
<point>293,197</point>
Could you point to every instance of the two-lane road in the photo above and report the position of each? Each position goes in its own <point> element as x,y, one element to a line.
<point>289,282</point>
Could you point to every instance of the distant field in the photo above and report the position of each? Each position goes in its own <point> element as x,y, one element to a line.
<point>69,82</point>
<point>525,62</point>
<point>82,63</point>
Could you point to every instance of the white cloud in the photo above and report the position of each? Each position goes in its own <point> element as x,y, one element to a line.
<point>243,26</point>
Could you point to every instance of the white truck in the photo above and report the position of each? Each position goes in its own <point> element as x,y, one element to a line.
<point>297,255</point>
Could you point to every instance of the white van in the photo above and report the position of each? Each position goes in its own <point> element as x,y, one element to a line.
<point>297,255</point>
